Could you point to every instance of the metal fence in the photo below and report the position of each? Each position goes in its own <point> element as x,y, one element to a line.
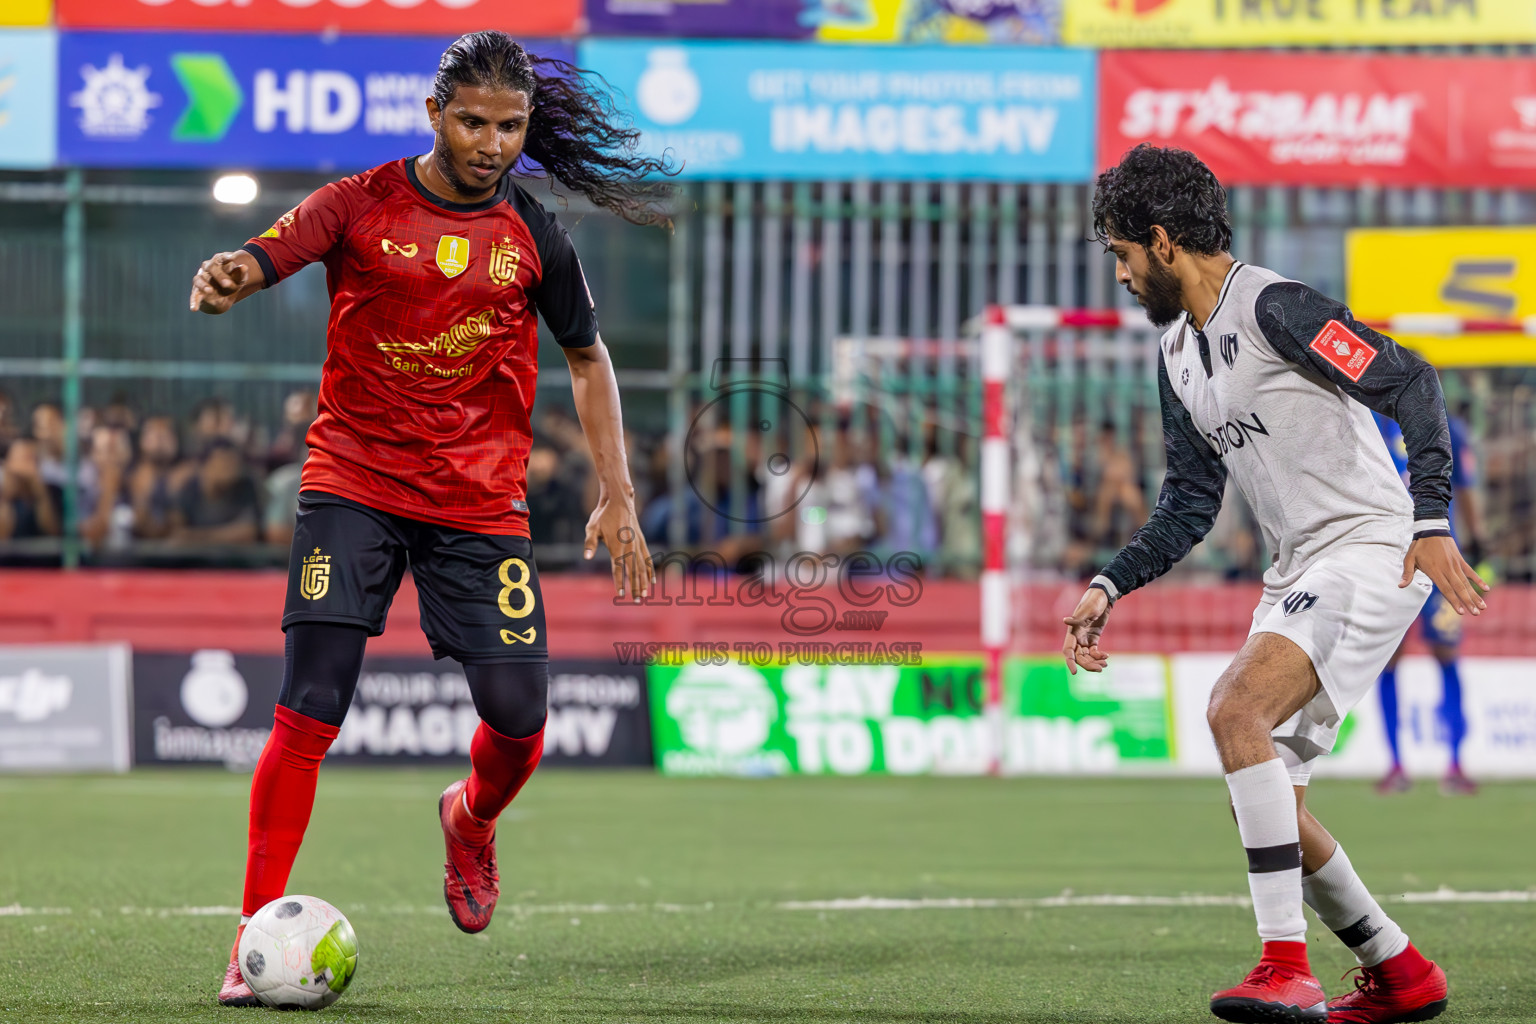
<point>752,287</point>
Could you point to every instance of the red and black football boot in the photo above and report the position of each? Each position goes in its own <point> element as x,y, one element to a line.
<point>1280,988</point>
<point>1404,988</point>
<point>235,992</point>
<point>470,881</point>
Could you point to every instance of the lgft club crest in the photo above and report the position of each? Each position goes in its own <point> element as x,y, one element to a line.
<point>315,576</point>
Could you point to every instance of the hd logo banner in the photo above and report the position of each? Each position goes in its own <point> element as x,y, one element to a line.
<point>761,110</point>
<point>135,99</point>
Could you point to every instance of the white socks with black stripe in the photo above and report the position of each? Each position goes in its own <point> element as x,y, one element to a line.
<point>1265,805</point>
<point>1344,904</point>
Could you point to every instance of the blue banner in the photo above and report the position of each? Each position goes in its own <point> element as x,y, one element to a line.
<point>780,110</point>
<point>247,100</point>
<point>27,75</point>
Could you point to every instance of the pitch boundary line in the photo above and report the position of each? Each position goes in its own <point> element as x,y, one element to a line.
<point>1067,899</point>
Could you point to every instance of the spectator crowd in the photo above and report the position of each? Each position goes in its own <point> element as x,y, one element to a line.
<point>844,481</point>
<point>211,482</point>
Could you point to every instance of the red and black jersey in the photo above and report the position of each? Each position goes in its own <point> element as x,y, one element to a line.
<point>432,344</point>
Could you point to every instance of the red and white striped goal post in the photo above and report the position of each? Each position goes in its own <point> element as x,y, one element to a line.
<point>998,327</point>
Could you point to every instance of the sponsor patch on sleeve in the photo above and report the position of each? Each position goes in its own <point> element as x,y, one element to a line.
<point>1344,349</point>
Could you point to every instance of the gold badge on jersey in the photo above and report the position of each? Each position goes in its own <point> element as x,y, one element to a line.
<point>315,576</point>
<point>452,255</point>
<point>505,259</point>
<point>282,222</point>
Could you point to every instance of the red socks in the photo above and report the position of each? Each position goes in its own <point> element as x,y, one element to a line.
<point>282,796</point>
<point>1287,954</point>
<point>283,793</point>
<point>499,765</point>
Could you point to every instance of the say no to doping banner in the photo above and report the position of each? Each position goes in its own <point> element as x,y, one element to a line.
<point>1310,119</point>
<point>1232,23</point>
<point>742,719</point>
<point>141,99</point>
<point>451,17</point>
<point>789,111</point>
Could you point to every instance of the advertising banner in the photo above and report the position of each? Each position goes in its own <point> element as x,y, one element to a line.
<point>1498,699</point>
<point>744,719</point>
<point>1034,22</point>
<point>150,99</point>
<point>732,110</point>
<point>28,122</point>
<point>64,708</point>
<point>1311,119</point>
<point>436,17</point>
<point>24,12</point>
<point>1474,273</point>
<point>1236,23</point>
<point>212,706</point>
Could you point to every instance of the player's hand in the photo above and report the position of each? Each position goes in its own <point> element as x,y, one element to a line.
<point>217,283</point>
<point>614,524</point>
<point>1084,627</point>
<point>1440,560</point>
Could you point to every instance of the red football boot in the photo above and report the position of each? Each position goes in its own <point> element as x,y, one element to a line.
<point>235,992</point>
<point>1281,988</point>
<point>1404,988</point>
<point>470,881</point>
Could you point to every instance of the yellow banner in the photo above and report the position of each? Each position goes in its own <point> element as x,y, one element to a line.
<point>1197,23</point>
<point>25,12</point>
<point>1473,273</point>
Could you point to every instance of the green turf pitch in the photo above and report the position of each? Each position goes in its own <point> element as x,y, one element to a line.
<point>631,898</point>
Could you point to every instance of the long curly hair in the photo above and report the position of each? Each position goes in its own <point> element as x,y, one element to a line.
<point>1172,187</point>
<point>575,134</point>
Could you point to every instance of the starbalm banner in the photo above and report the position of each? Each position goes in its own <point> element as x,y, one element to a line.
<point>1323,119</point>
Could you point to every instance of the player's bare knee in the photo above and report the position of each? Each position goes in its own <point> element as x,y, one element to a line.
<point>1228,716</point>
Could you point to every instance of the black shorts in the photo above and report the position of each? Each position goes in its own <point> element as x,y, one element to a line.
<point>479,592</point>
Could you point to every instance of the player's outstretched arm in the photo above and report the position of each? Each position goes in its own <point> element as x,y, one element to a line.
<point>224,279</point>
<point>614,521</point>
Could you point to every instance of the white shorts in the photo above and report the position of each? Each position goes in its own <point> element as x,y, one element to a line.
<point>1348,614</point>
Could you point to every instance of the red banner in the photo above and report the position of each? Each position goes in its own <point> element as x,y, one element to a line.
<point>1304,119</point>
<point>421,17</point>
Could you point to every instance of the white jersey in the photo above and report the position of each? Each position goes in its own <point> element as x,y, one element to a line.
<point>1270,391</point>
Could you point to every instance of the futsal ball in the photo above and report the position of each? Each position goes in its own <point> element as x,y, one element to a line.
<point>298,953</point>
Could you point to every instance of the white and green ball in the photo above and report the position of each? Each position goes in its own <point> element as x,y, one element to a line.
<point>298,953</point>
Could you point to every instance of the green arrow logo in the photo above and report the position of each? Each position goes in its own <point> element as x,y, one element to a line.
<point>213,97</point>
